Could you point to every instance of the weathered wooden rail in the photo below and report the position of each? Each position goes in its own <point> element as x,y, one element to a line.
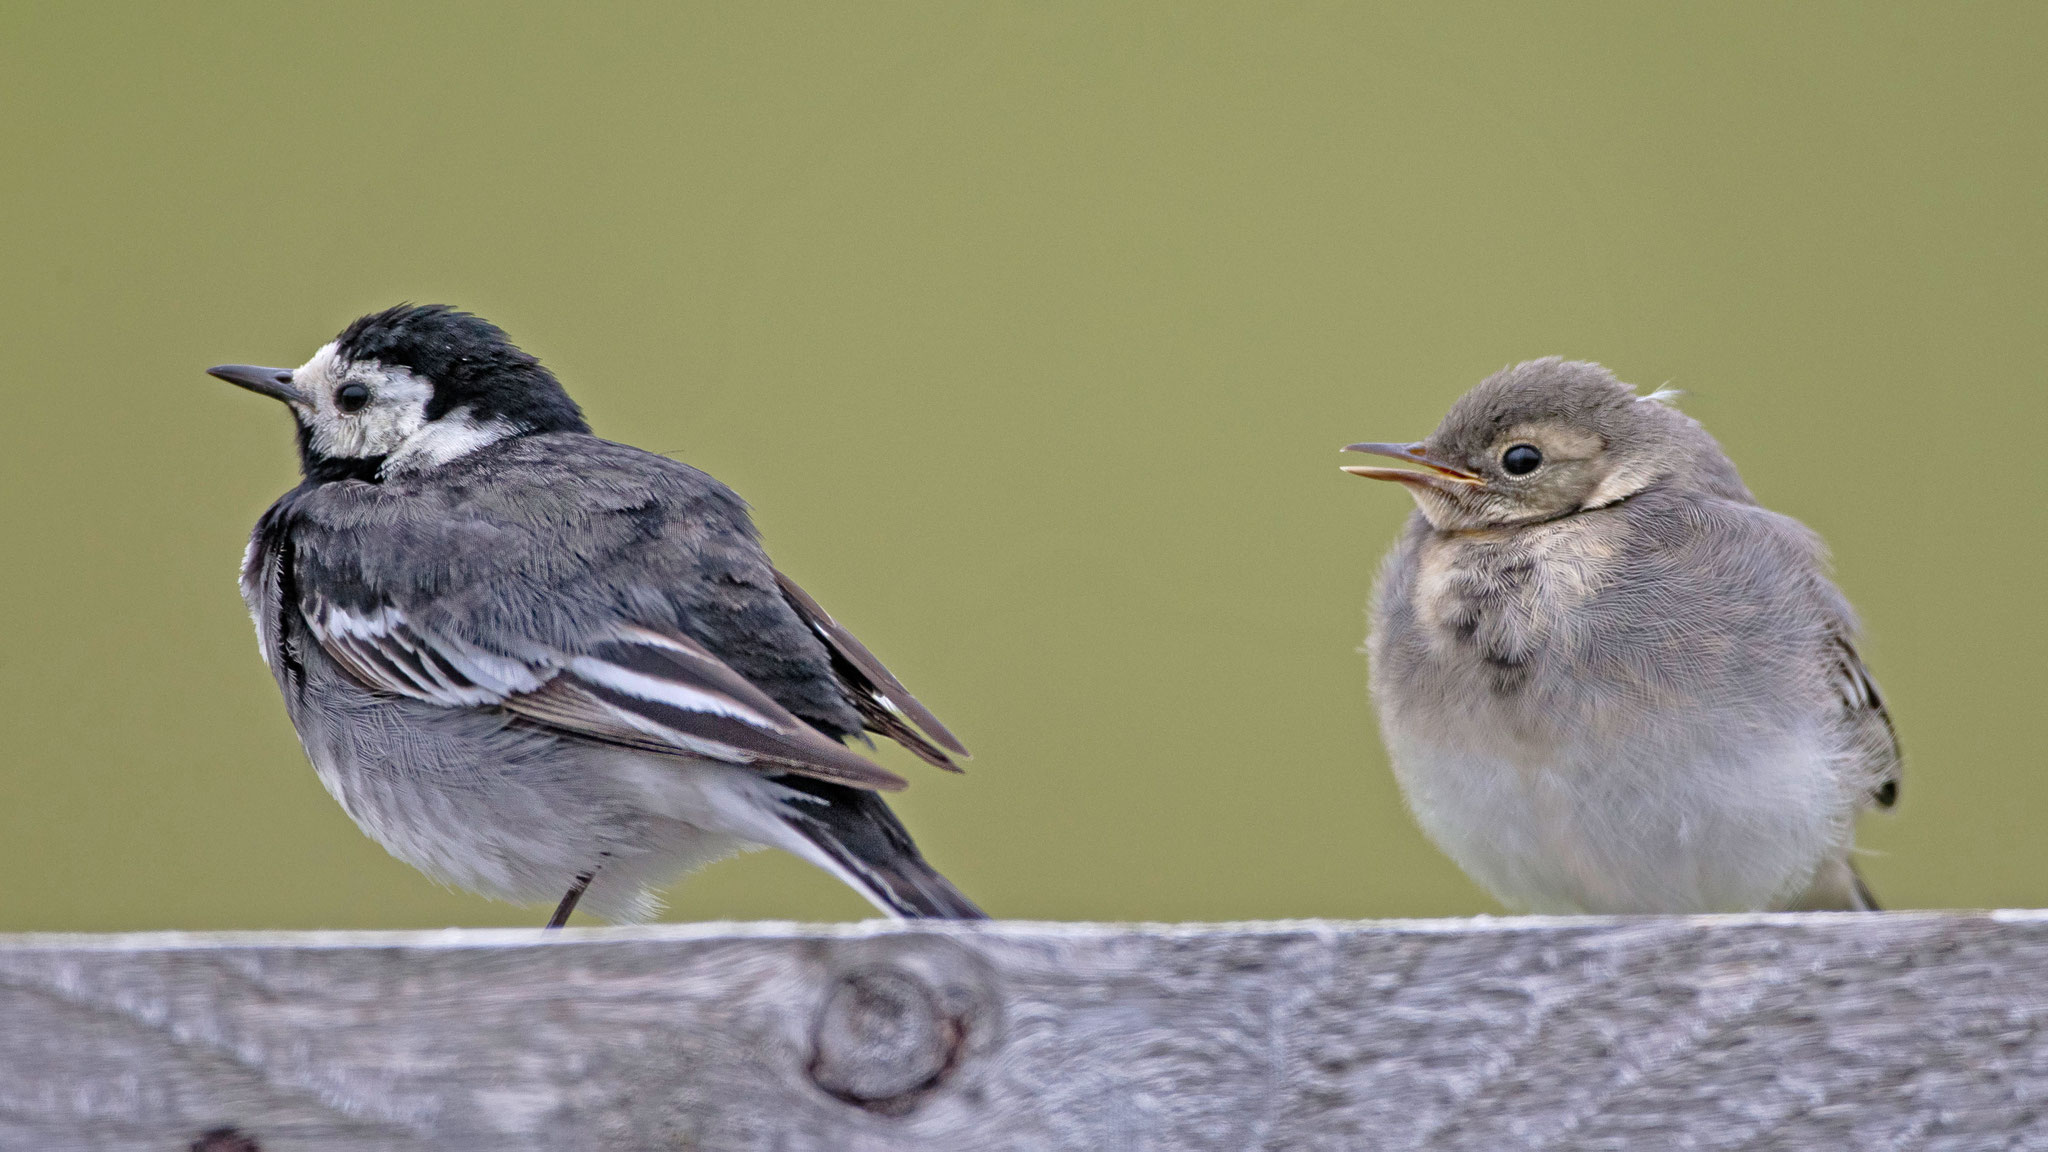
<point>1906,1030</point>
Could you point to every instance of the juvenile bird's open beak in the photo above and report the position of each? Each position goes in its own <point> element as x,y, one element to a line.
<point>275,383</point>
<point>1440,474</point>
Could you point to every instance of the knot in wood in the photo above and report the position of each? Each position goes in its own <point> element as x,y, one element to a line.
<point>226,1140</point>
<point>883,1041</point>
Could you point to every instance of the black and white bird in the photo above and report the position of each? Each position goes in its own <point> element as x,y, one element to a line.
<point>532,662</point>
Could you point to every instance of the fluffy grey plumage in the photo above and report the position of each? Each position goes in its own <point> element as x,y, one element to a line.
<point>530,661</point>
<point>1609,680</point>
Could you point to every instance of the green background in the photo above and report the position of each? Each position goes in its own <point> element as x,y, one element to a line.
<point>1030,331</point>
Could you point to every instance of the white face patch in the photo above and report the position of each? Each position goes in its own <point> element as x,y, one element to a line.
<point>457,434</point>
<point>392,424</point>
<point>397,407</point>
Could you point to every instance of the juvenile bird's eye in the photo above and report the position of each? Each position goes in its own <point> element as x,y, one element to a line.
<point>351,397</point>
<point>1521,459</point>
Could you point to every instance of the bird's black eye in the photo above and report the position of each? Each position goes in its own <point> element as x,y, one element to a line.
<point>351,397</point>
<point>1521,459</point>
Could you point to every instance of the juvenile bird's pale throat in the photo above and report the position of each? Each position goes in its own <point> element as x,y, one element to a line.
<point>1440,475</point>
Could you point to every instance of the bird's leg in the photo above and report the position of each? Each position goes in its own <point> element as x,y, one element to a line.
<point>575,893</point>
<point>568,903</point>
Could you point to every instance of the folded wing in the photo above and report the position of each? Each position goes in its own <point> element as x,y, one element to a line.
<point>1872,739</point>
<point>886,707</point>
<point>637,689</point>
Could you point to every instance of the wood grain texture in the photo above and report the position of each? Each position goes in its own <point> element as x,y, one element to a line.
<point>1909,1030</point>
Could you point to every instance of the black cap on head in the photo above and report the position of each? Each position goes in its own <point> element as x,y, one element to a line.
<point>469,361</point>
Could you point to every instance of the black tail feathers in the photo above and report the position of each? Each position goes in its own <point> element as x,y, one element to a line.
<point>873,852</point>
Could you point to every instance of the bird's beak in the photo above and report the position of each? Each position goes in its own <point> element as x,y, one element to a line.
<point>275,383</point>
<point>1440,474</point>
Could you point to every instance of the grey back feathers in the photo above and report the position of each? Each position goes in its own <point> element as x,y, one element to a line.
<point>546,547</point>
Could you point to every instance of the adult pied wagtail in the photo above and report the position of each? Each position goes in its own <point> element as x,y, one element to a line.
<point>532,662</point>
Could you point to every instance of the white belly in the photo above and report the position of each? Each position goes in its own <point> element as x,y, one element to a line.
<point>1632,825</point>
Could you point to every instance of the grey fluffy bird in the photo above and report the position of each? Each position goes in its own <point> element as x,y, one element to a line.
<point>536,664</point>
<point>1609,680</point>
